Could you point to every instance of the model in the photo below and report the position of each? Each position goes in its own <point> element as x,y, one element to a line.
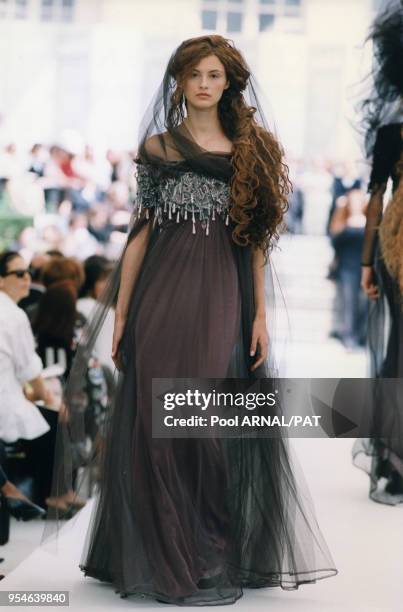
<point>381,455</point>
<point>193,521</point>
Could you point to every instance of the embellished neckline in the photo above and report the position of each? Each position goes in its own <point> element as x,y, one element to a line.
<point>183,196</point>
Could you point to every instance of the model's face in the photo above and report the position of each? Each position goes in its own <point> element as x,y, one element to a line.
<point>206,83</point>
<point>17,279</point>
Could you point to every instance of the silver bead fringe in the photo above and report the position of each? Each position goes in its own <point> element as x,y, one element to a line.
<point>174,197</point>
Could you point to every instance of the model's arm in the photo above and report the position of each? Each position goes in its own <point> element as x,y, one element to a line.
<point>381,166</point>
<point>384,157</point>
<point>132,260</point>
<point>146,198</point>
<point>374,216</point>
<point>260,336</point>
<point>258,283</point>
<point>131,264</point>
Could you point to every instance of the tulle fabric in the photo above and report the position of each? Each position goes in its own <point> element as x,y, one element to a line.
<point>382,454</point>
<point>227,507</point>
<point>188,521</point>
<point>193,521</point>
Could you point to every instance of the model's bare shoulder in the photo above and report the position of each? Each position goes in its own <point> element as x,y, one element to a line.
<point>161,146</point>
<point>154,146</point>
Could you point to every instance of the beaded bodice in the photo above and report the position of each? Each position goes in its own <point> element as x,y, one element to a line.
<point>180,197</point>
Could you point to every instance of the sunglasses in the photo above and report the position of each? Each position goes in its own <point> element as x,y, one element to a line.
<point>18,273</point>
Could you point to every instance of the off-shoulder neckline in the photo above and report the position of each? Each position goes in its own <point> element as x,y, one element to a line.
<point>201,150</point>
<point>224,154</point>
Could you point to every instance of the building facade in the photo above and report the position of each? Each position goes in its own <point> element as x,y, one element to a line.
<point>93,65</point>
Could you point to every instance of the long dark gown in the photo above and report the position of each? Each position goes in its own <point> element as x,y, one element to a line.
<point>381,456</point>
<point>193,521</point>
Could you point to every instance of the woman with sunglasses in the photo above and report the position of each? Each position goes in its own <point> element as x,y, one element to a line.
<point>19,365</point>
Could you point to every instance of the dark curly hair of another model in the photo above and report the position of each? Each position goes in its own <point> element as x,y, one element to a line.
<point>386,35</point>
<point>260,183</point>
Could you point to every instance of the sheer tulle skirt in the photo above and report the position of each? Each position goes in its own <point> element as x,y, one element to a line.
<point>381,455</point>
<point>193,521</point>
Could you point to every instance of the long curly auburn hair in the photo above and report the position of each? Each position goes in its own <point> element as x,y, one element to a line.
<point>260,183</point>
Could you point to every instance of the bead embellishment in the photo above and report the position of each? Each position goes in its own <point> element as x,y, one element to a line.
<point>174,198</point>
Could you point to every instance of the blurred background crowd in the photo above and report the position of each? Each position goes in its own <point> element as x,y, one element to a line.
<point>75,202</point>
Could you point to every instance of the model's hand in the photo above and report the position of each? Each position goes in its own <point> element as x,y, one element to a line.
<point>118,330</point>
<point>368,282</point>
<point>260,338</point>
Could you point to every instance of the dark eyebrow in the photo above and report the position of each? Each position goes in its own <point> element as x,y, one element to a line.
<point>213,70</point>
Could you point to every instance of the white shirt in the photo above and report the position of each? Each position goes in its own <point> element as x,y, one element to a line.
<point>103,343</point>
<point>19,363</point>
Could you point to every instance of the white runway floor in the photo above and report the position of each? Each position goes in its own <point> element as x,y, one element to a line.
<point>365,538</point>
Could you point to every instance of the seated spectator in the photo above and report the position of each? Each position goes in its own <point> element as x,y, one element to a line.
<point>36,288</point>
<point>99,224</point>
<point>55,324</point>
<point>19,363</point>
<point>38,158</point>
<point>61,268</point>
<point>58,268</point>
<point>57,327</point>
<point>21,366</point>
<point>79,242</point>
<point>97,269</point>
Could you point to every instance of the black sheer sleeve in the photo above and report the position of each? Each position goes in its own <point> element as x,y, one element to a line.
<point>382,164</point>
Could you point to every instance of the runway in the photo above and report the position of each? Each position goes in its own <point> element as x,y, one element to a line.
<point>365,538</point>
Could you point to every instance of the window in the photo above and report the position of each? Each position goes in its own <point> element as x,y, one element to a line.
<point>292,10</point>
<point>234,22</point>
<point>67,10</point>
<point>237,16</point>
<point>47,10</point>
<point>57,10</point>
<point>3,8</point>
<point>13,9</point>
<point>265,22</point>
<point>209,20</point>
<point>21,9</point>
